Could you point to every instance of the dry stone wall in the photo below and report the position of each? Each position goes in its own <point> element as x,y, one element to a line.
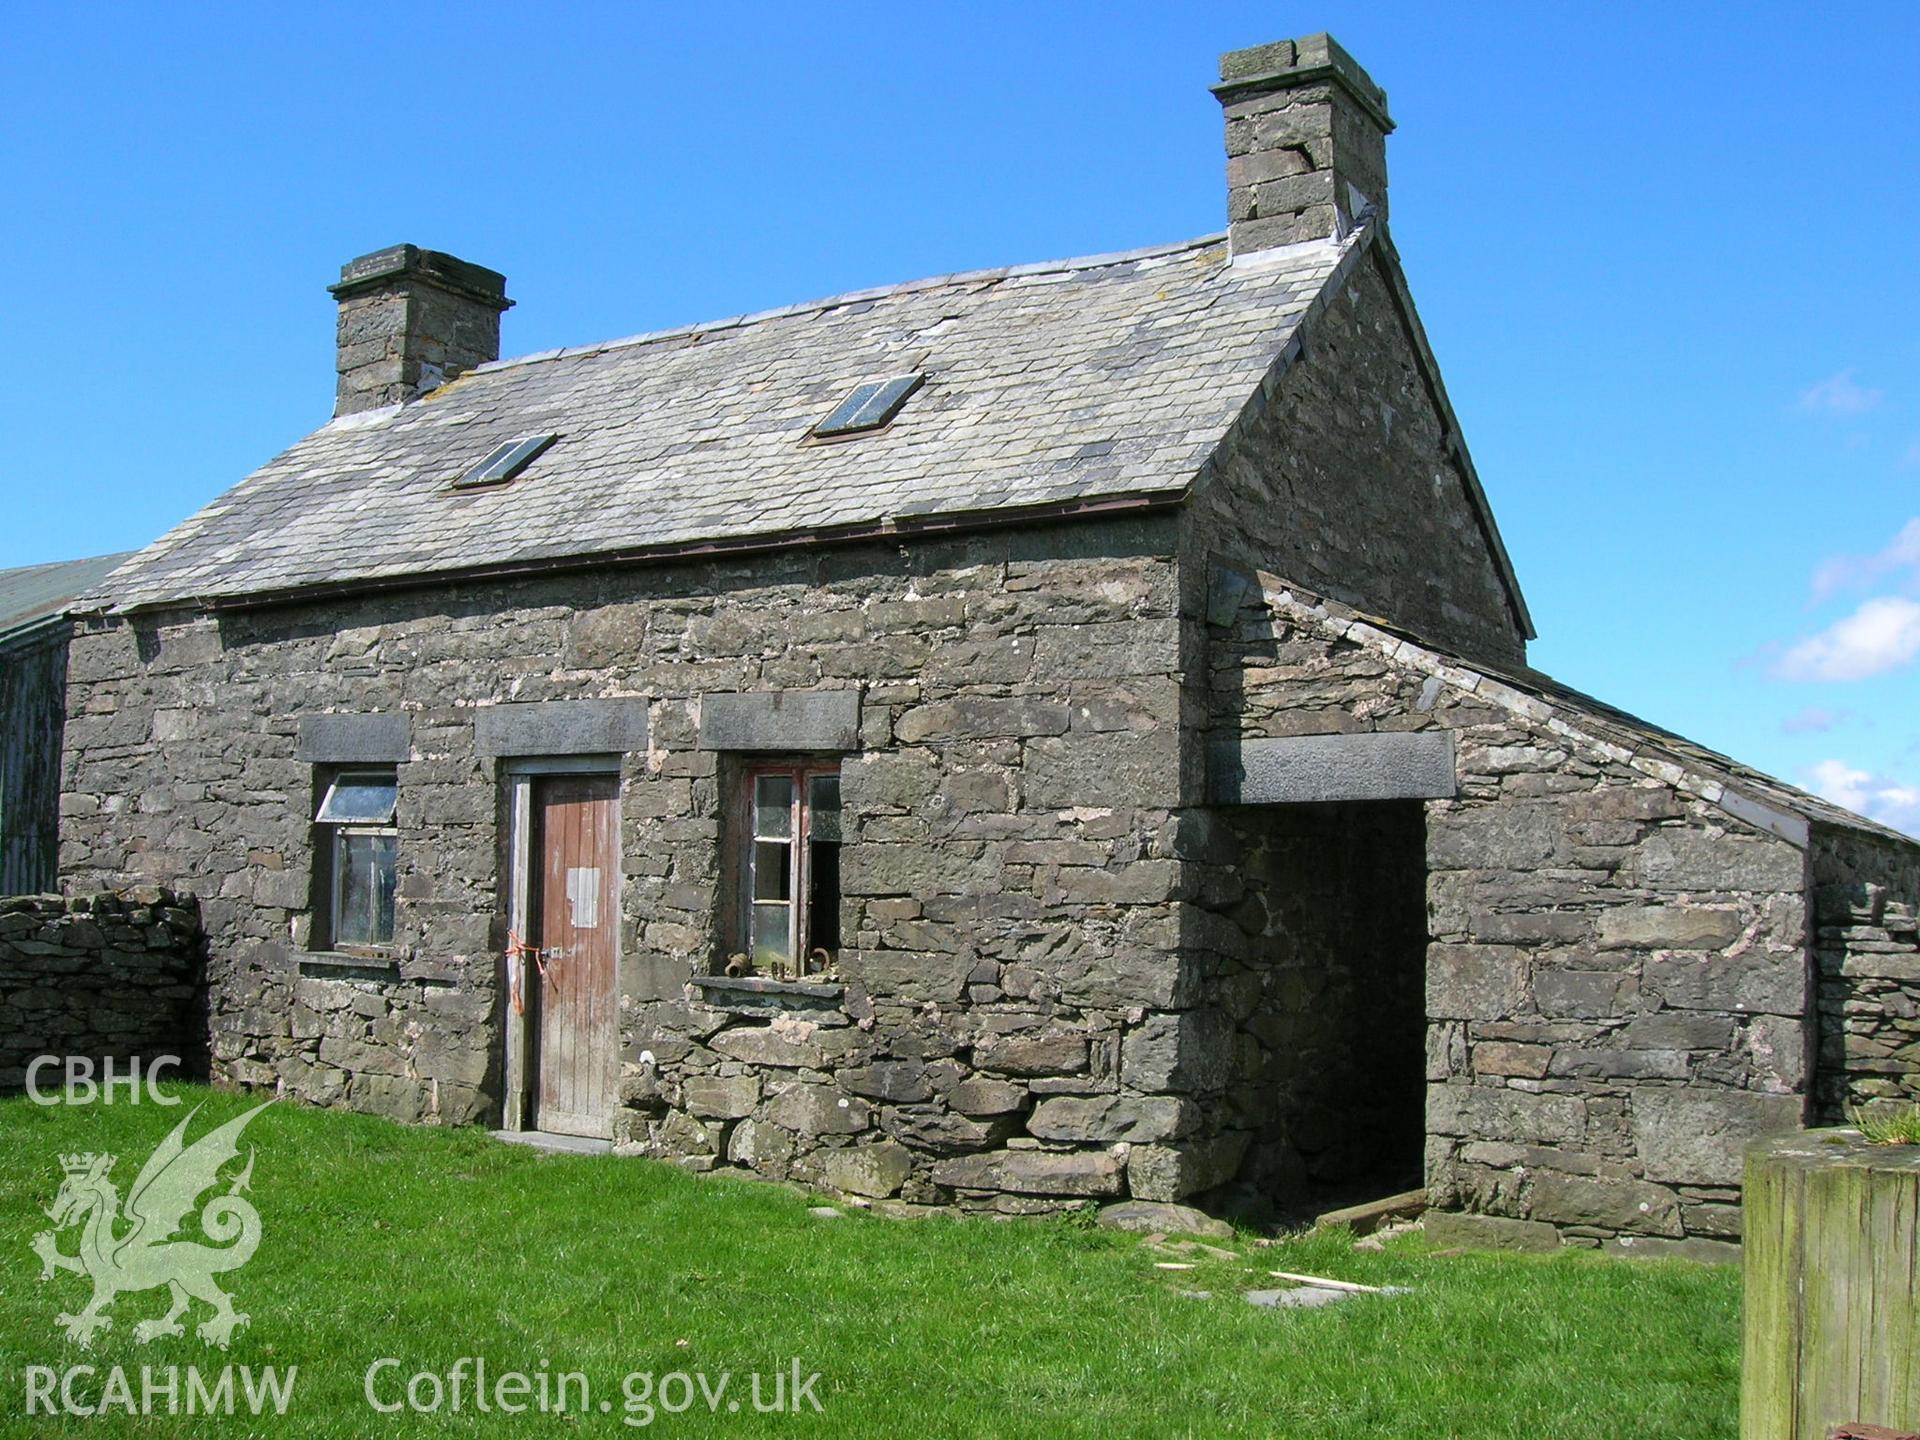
<point>1867,959</point>
<point>100,977</point>
<point>1617,992</point>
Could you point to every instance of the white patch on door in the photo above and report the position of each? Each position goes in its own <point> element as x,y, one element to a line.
<point>583,899</point>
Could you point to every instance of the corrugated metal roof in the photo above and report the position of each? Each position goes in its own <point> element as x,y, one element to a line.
<point>34,594</point>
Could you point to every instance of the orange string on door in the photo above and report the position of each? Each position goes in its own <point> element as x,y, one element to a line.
<point>518,950</point>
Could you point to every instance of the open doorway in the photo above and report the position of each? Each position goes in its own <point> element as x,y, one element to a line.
<point>1334,1084</point>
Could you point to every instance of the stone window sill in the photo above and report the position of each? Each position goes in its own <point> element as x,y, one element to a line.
<point>719,989</point>
<point>385,962</point>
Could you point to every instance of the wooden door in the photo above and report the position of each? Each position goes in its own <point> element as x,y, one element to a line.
<point>576,836</point>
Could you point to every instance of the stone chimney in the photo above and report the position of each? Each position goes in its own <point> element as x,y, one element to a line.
<point>410,320</point>
<point>1306,143</point>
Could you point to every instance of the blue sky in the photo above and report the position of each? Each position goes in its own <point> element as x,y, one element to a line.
<point>1666,257</point>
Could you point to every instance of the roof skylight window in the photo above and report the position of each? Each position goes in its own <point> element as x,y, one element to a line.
<point>505,462</point>
<point>869,406</point>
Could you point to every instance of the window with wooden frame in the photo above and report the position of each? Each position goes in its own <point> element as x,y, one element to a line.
<point>790,869</point>
<point>357,849</point>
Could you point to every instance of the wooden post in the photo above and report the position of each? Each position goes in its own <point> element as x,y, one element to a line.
<point>1832,1328</point>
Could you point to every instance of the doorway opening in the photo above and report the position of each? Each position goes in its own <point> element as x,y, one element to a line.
<point>1333,1086</point>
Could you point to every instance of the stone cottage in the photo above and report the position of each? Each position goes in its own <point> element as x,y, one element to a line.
<point>1011,739</point>
<point>33,679</point>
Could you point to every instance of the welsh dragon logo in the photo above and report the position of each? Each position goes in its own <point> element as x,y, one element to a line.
<point>135,1250</point>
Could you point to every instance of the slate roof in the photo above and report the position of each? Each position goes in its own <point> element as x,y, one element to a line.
<point>35,594</point>
<point>1740,790</point>
<point>1077,382</point>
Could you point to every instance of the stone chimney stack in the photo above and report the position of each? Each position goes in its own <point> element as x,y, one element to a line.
<point>1306,143</point>
<point>410,320</point>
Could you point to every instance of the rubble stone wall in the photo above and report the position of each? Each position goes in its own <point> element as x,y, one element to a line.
<point>1617,988</point>
<point>1010,881</point>
<point>1867,957</point>
<point>100,977</point>
<point>1343,476</point>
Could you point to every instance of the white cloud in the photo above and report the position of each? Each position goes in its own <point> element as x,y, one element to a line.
<point>1839,395</point>
<point>1883,634</point>
<point>1875,796</point>
<point>1814,720</point>
<point>1847,571</point>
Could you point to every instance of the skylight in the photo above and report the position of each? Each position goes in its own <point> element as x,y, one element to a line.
<point>505,462</point>
<point>869,406</point>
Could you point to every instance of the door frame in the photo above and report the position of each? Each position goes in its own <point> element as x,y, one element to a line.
<point>519,1108</point>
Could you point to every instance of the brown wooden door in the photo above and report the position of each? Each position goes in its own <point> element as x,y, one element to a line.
<point>576,836</point>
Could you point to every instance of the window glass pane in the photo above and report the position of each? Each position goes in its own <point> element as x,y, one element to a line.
<point>772,941</point>
<point>824,797</point>
<point>879,407</point>
<point>505,462</point>
<point>869,405</point>
<point>772,868</point>
<point>363,875</point>
<point>359,800</point>
<point>773,807</point>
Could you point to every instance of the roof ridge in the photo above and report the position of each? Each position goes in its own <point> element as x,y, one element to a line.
<point>854,297</point>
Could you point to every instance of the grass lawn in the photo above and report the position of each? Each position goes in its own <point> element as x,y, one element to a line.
<point>431,1245</point>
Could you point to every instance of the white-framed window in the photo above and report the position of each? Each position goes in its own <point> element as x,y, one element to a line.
<point>360,850</point>
<point>790,868</point>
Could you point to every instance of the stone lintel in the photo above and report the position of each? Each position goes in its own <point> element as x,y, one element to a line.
<point>384,738</point>
<point>561,727</point>
<point>781,720</point>
<point>1303,769</point>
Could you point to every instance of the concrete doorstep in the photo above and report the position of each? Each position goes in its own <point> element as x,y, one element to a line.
<point>555,1144</point>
